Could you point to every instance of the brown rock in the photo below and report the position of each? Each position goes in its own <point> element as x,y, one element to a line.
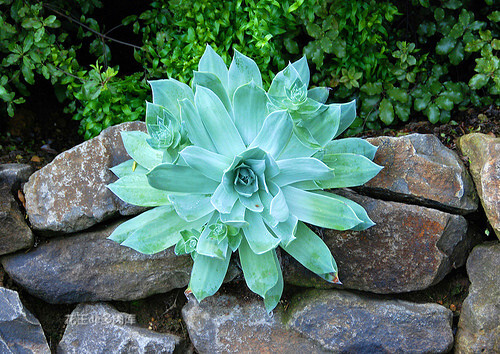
<point>483,152</point>
<point>418,169</point>
<point>13,174</point>
<point>479,325</point>
<point>70,193</point>
<point>410,248</point>
<point>14,232</point>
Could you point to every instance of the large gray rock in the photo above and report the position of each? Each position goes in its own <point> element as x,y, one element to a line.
<point>479,325</point>
<point>89,267</point>
<point>483,152</point>
<point>318,321</point>
<point>13,174</point>
<point>229,324</point>
<point>99,328</point>
<point>348,323</point>
<point>70,193</point>
<point>14,232</point>
<point>410,248</point>
<point>420,170</point>
<point>20,331</point>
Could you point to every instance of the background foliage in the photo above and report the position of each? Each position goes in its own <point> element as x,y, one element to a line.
<point>399,59</point>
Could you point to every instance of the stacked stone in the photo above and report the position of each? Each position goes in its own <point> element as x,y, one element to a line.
<point>419,201</point>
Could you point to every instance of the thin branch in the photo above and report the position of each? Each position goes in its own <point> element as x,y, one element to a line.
<point>103,36</point>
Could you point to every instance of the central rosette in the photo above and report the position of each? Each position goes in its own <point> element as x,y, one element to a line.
<point>246,182</point>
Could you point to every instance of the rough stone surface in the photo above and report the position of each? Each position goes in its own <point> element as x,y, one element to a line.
<point>479,325</point>
<point>14,232</point>
<point>70,193</point>
<point>229,324</point>
<point>410,248</point>
<point>89,267</point>
<point>13,174</point>
<point>317,322</point>
<point>348,323</point>
<point>420,170</point>
<point>20,331</point>
<point>99,328</point>
<point>484,158</point>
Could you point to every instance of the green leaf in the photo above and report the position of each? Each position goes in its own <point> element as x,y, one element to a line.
<point>444,102</point>
<point>127,168</point>
<point>218,123</point>
<point>250,110</point>
<point>358,209</point>
<point>347,116</point>
<point>310,251</point>
<point>193,206</point>
<point>183,179</point>
<point>212,82</point>
<point>402,111</point>
<point>457,54</point>
<point>320,210</point>
<point>242,71</point>
<point>432,112</point>
<point>372,88</point>
<point>206,162</point>
<point>349,146</point>
<point>445,45</point>
<point>350,170</point>
<point>235,218</point>
<point>478,81</point>
<point>168,93</point>
<point>260,270</point>
<point>386,111</point>
<point>135,143</point>
<point>207,275</point>
<point>398,94</point>
<point>153,231</point>
<point>303,70</point>
<point>196,131</point>
<point>274,133</point>
<point>211,62</point>
<point>257,235</point>
<point>301,169</point>
<point>208,245</point>
<point>319,94</point>
<point>273,295</point>
<point>135,189</point>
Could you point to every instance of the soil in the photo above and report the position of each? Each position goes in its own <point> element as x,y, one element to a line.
<point>37,139</point>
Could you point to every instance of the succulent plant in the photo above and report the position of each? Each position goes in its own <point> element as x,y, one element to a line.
<point>230,167</point>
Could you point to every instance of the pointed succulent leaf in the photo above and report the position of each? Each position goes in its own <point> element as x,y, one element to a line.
<point>206,162</point>
<point>242,71</point>
<point>319,94</point>
<point>236,217</point>
<point>349,146</point>
<point>295,149</point>
<point>129,167</point>
<point>225,196</point>
<point>347,116</point>
<point>301,169</point>
<point>303,70</point>
<point>250,110</point>
<point>158,233</point>
<point>213,240</point>
<point>136,145</point>
<point>285,230</point>
<point>350,170</point>
<point>192,206</point>
<point>183,179</point>
<point>211,62</point>
<point>275,133</point>
<point>135,190</point>
<point>196,131</point>
<point>283,80</point>
<point>278,208</point>
<point>212,82</point>
<point>207,275</point>
<point>252,203</point>
<point>320,210</point>
<point>218,123</point>
<point>358,209</point>
<point>167,93</point>
<point>273,295</point>
<point>257,235</point>
<point>310,251</point>
<point>260,270</point>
